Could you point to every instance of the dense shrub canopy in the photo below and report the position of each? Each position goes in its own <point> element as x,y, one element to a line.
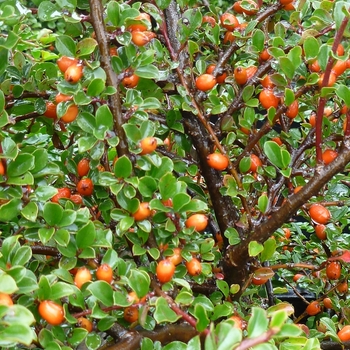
<point>174,174</point>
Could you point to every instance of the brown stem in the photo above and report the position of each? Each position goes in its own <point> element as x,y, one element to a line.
<point>322,101</point>
<point>263,338</point>
<point>185,316</point>
<point>290,266</point>
<point>236,268</point>
<point>97,20</point>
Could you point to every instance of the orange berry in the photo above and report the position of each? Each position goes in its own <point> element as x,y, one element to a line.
<point>217,161</point>
<point>82,276</point>
<point>277,140</point>
<point>264,55</point>
<point>251,71</point>
<point>143,212</point>
<point>5,299</point>
<point>327,302</point>
<point>241,76</point>
<point>267,82</point>
<point>333,270</point>
<point>312,119</point>
<point>319,213</point>
<point>71,114</point>
<point>209,19</point>
<point>293,110</point>
<point>85,187</point>
<point>165,270</point>
<point>229,21</point>
<point>176,258</point>
<point>331,81</point>
<point>63,192</point>
<point>130,81</point>
<point>198,221</point>
<point>340,50</point>
<point>104,273</point>
<point>287,232</point>
<point>50,110</point>
<point>85,323</point>
<point>74,73</point>
<point>205,82</point>
<point>194,267</point>
<point>344,333</point>
<point>314,66</point>
<point>320,231</point>
<point>343,287</point>
<point>142,38</point>
<point>229,38</point>
<point>329,155</point>
<point>131,314</point>
<point>148,145</point>
<point>297,276</point>
<point>76,198</point>
<point>339,68</point>
<point>64,62</point>
<point>62,97</point>
<point>268,99</point>
<point>51,312</point>
<point>255,162</point>
<point>83,167</point>
<point>220,78</point>
<point>313,308</point>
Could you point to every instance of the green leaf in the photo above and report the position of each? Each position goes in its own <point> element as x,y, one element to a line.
<point>163,4</point>
<point>103,292</point>
<point>244,164</point>
<point>247,93</point>
<point>148,72</point>
<point>344,93</point>
<point>255,248</point>
<point>227,336</point>
<point>48,11</point>
<point>45,234</point>
<point>288,97</point>
<point>258,322</point>
<point>311,48</point>
<point>180,200</point>
<point>16,334</point>
<point>30,211</point>
<point>21,164</point>
<point>86,235</point>
<point>61,289</point>
<point>65,45</point>
<point>139,282</point>
<point>163,313</point>
<point>52,213</point>
<point>278,156</point>
<point>202,317</point>
<point>287,67</point>
<point>85,143</point>
<point>122,167</point>
<point>263,202</point>
<point>223,286</point>
<point>258,39</point>
<point>96,87</point>
<point>269,249</point>
<point>85,47</point>
<point>7,284</point>
<point>22,256</point>
<point>10,210</point>
<point>232,235</point>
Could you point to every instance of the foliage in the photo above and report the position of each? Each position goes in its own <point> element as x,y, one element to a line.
<point>145,127</point>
